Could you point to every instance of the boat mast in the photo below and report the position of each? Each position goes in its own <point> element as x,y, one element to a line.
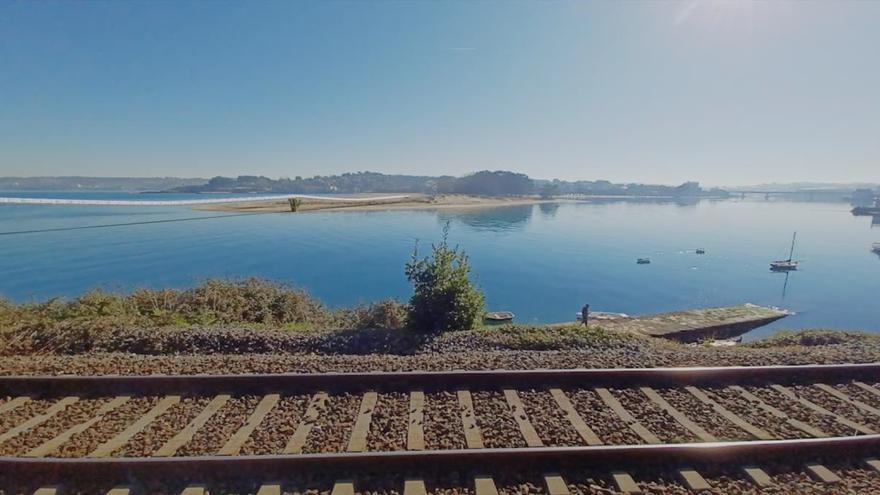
<point>791,253</point>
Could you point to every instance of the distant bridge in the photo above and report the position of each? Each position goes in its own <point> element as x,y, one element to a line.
<point>185,202</point>
<point>810,193</point>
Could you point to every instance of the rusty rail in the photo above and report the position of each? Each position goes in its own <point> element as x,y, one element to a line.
<point>428,380</point>
<point>631,456</point>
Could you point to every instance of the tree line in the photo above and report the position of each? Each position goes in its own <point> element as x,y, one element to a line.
<point>483,183</point>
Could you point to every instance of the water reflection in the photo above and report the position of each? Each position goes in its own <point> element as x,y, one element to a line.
<point>501,219</point>
<point>784,288</point>
<point>680,201</point>
<point>548,210</point>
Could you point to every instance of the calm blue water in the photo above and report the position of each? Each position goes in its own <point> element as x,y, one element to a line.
<point>542,262</point>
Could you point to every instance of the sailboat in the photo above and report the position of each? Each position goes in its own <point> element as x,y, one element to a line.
<point>789,264</point>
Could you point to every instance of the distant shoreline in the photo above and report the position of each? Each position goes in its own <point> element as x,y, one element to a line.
<point>406,202</point>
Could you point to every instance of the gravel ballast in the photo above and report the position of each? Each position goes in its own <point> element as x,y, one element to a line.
<point>704,415</point>
<point>734,402</point>
<point>826,424</point>
<point>109,426</point>
<point>602,420</point>
<point>495,421</point>
<point>554,429</point>
<point>333,428</point>
<point>276,429</point>
<point>76,413</point>
<point>163,428</point>
<point>652,417</point>
<point>443,425</point>
<point>222,425</point>
<point>388,427</point>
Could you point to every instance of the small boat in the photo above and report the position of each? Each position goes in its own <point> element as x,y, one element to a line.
<point>701,251</point>
<point>876,248</point>
<point>643,261</point>
<point>499,317</point>
<point>786,265</point>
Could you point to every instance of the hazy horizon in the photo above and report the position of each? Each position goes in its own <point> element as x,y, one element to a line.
<point>727,93</point>
<point>793,183</point>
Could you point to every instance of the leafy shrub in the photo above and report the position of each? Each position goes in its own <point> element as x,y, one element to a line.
<point>388,314</point>
<point>443,298</point>
<point>223,301</point>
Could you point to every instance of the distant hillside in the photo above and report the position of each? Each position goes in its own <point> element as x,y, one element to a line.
<point>359,182</point>
<point>74,183</point>
<point>489,183</point>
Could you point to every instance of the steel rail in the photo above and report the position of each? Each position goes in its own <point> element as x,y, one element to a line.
<point>428,380</point>
<point>619,456</point>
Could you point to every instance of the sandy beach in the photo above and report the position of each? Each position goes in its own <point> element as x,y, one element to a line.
<point>409,202</point>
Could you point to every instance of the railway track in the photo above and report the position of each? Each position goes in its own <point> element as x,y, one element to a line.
<point>553,431</point>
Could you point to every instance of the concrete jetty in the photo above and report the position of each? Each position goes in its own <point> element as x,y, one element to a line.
<point>694,325</point>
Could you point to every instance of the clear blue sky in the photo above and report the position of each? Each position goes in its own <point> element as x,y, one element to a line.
<point>725,92</point>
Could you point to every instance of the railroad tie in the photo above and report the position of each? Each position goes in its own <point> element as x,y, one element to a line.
<point>47,490</point>
<point>555,484</point>
<point>358,440</point>
<point>693,480</point>
<point>518,410</point>
<point>186,434</point>
<point>298,440</point>
<point>472,435</point>
<point>767,408</point>
<point>48,414</point>
<point>115,443</point>
<point>119,490</point>
<point>484,485</point>
<point>236,441</point>
<point>415,433</point>
<point>624,415</point>
<point>50,446</point>
<point>758,476</point>
<point>722,411</point>
<point>194,490</point>
<point>273,488</point>
<point>13,404</point>
<point>847,399</point>
<point>867,388</point>
<point>786,392</point>
<point>343,487</point>
<point>625,483</point>
<point>577,422</point>
<point>873,464</point>
<point>822,473</point>
<point>697,430</point>
<point>414,486</point>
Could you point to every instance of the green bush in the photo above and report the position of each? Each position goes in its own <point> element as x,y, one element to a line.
<point>443,298</point>
<point>387,315</point>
